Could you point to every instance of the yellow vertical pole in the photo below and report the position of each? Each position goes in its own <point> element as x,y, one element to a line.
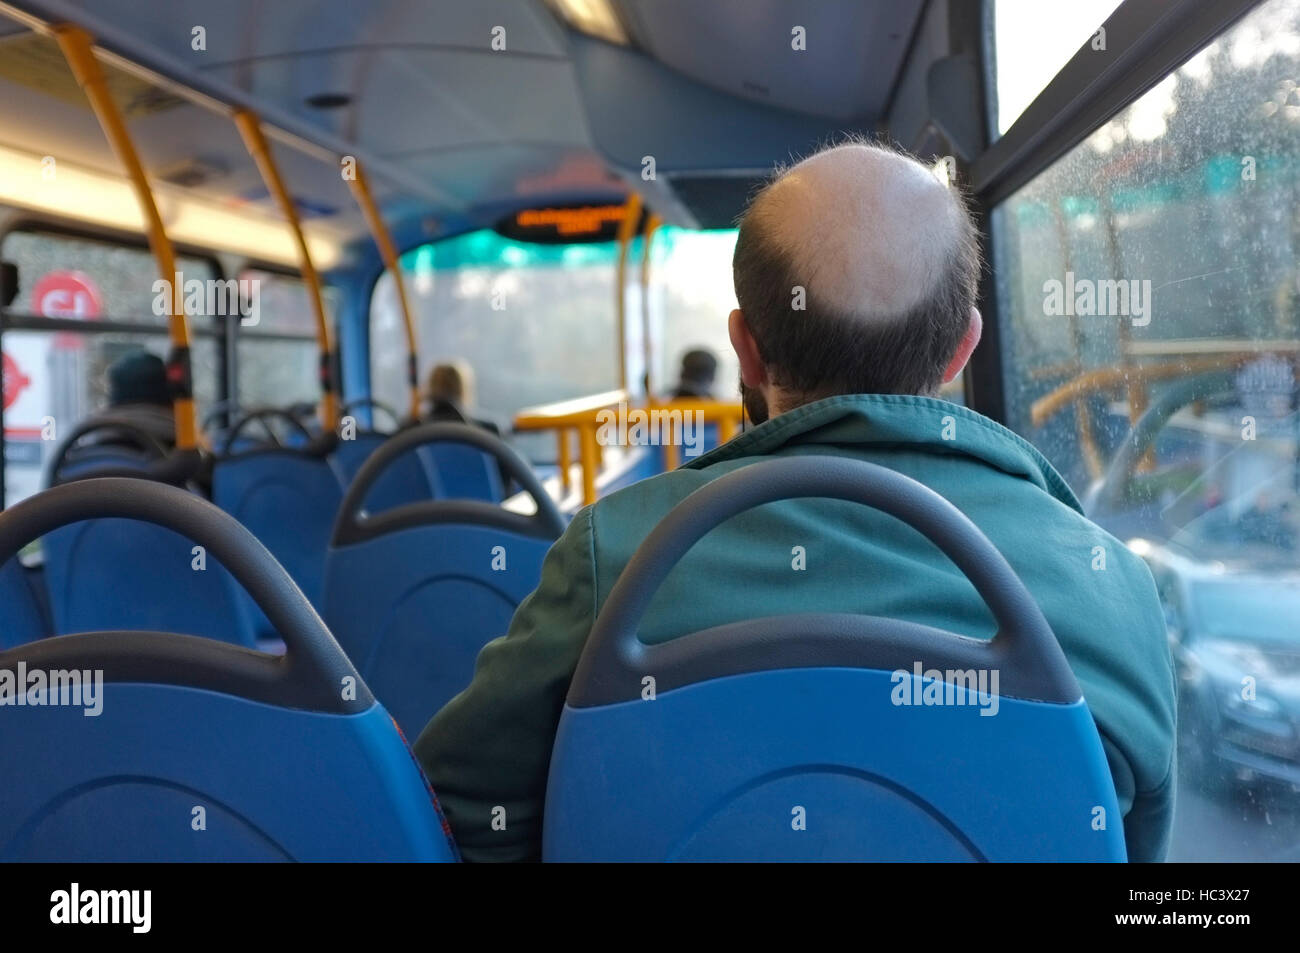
<point>250,128</point>
<point>564,458</point>
<point>626,229</point>
<point>388,252</point>
<point>652,226</point>
<point>589,455</point>
<point>78,50</point>
<point>726,428</point>
<point>672,454</point>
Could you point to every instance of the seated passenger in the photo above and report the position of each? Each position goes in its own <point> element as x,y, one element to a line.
<point>450,393</point>
<point>699,368</point>
<point>138,393</point>
<point>884,261</point>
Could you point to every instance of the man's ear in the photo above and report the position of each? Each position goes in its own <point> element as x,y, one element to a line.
<point>966,347</point>
<point>752,370</point>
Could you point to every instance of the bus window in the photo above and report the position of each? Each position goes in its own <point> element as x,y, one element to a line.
<point>56,378</point>
<point>63,276</point>
<point>1030,42</point>
<point>1148,293</point>
<point>535,322</point>
<point>277,350</point>
<point>691,295</point>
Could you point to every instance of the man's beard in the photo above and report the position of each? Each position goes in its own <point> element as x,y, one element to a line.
<point>755,404</point>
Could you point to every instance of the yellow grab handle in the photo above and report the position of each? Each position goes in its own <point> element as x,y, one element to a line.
<point>388,252</point>
<point>626,229</point>
<point>78,50</point>
<point>647,241</point>
<point>250,128</point>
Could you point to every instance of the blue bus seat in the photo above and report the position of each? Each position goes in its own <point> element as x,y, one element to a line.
<point>123,574</point>
<point>413,594</point>
<point>21,619</point>
<point>196,750</point>
<point>818,736</point>
<point>126,574</point>
<point>288,497</point>
<point>463,473</point>
<point>407,479</point>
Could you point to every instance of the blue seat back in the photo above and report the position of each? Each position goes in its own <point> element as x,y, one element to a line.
<point>124,574</point>
<point>288,498</point>
<point>95,459</point>
<point>827,736</point>
<point>21,619</point>
<point>407,479</point>
<point>190,749</point>
<point>464,473</point>
<point>413,594</point>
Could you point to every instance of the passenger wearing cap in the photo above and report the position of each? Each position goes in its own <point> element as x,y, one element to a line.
<point>855,272</point>
<point>138,393</point>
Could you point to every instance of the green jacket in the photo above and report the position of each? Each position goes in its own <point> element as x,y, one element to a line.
<point>490,747</point>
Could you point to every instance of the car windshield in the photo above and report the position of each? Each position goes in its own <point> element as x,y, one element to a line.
<point>1260,611</point>
<point>1227,498</point>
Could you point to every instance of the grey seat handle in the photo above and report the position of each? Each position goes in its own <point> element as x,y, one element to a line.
<point>1023,638</point>
<point>351,527</point>
<point>314,668</point>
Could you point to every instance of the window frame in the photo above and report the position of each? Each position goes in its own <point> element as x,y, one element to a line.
<point>225,331</point>
<point>1145,43</point>
<point>302,337</point>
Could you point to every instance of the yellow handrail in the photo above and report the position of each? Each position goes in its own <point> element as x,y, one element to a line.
<point>567,413</point>
<point>78,50</point>
<point>728,415</point>
<point>361,192</point>
<point>1110,378</point>
<point>584,414</point>
<point>565,416</point>
<point>250,128</point>
<point>626,229</point>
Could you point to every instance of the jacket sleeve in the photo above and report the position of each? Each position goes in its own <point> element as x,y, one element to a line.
<point>487,752</point>
<point>1149,823</point>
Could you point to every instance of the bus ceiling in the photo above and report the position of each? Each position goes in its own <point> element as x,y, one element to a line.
<point>518,106</point>
<point>537,104</point>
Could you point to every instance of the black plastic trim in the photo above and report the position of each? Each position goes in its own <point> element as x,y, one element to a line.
<point>1146,40</point>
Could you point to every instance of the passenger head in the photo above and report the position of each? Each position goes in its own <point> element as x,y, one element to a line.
<point>138,377</point>
<point>451,383</point>
<point>699,368</point>
<point>856,273</point>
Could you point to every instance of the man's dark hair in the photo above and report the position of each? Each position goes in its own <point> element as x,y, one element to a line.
<point>822,351</point>
<point>699,367</point>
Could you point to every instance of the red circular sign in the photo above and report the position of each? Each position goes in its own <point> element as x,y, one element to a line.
<point>15,381</point>
<point>66,294</point>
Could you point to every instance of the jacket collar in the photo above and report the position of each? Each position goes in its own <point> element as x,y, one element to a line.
<point>897,421</point>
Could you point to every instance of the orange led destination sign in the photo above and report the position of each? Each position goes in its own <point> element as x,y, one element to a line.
<point>555,224</point>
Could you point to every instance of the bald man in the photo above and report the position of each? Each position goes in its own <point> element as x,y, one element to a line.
<point>855,272</point>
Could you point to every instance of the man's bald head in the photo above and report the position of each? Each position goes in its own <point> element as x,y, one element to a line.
<point>888,263</point>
